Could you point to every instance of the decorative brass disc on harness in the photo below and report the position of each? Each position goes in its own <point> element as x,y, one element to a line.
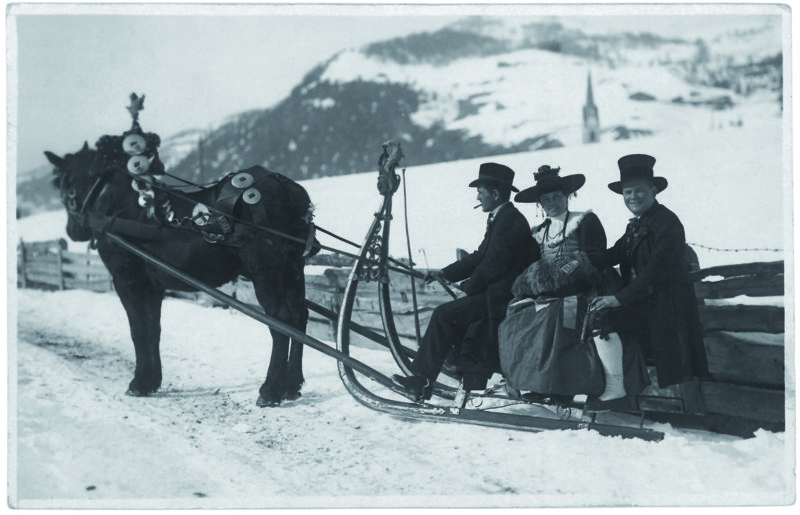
<point>251,196</point>
<point>138,165</point>
<point>242,180</point>
<point>134,144</point>
<point>201,215</point>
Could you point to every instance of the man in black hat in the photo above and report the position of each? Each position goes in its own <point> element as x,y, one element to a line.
<point>469,324</point>
<point>656,305</point>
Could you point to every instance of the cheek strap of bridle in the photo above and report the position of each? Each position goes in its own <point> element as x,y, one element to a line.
<point>90,196</point>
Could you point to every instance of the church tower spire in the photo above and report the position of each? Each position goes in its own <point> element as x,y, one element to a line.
<point>591,119</point>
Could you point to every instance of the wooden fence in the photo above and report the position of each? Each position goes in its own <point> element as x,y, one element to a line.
<point>47,264</point>
<point>744,342</point>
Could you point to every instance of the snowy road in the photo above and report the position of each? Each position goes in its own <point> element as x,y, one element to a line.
<point>201,441</point>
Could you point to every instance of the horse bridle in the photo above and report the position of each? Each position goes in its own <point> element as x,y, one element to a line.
<point>91,196</point>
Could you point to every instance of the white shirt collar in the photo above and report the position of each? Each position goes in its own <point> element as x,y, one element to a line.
<point>495,210</point>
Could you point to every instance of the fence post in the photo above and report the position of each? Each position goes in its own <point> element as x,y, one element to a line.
<point>61,281</point>
<point>88,261</point>
<point>22,256</point>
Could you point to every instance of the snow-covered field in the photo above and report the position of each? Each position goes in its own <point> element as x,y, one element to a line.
<point>202,442</point>
<point>77,441</point>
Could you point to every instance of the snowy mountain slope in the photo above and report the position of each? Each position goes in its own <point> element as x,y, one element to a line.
<point>513,96</point>
<point>727,185</point>
<point>486,87</point>
<point>721,182</point>
<point>468,91</point>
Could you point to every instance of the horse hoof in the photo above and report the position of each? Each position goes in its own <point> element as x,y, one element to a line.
<point>292,396</point>
<point>139,392</point>
<point>264,403</point>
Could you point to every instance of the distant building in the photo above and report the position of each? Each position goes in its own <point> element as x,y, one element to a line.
<point>591,120</point>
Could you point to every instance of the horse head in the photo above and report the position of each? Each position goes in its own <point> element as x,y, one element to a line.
<point>82,184</point>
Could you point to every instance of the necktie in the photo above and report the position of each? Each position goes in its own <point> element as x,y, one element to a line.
<point>631,234</point>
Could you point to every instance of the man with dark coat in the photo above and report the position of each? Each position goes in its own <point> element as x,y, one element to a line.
<point>469,324</point>
<point>656,305</point>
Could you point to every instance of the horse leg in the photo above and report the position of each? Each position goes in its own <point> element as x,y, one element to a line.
<point>296,300</point>
<point>294,374</point>
<point>143,306</point>
<point>283,298</point>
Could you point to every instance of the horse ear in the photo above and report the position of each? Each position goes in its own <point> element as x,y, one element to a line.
<point>58,162</point>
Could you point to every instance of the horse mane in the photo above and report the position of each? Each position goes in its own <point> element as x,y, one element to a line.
<point>60,167</point>
<point>110,154</point>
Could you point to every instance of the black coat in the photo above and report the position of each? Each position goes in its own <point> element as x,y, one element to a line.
<point>656,284</point>
<point>506,250</point>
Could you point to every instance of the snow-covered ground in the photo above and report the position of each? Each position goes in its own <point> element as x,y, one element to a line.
<point>77,441</point>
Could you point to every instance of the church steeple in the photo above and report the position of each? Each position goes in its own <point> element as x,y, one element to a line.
<point>591,119</point>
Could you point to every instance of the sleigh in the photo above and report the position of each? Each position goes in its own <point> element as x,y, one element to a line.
<point>744,343</point>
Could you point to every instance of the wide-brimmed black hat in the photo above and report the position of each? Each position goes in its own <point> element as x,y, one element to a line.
<point>496,175</point>
<point>547,181</point>
<point>637,166</point>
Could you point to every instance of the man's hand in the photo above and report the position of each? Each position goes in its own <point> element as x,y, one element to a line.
<point>608,301</point>
<point>434,276</point>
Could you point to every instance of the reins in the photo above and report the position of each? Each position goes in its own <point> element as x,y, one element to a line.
<point>401,267</point>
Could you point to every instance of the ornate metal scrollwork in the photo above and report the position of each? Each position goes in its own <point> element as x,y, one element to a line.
<point>373,264</point>
<point>388,180</point>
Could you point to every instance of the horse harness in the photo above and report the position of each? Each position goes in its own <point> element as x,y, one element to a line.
<point>216,222</point>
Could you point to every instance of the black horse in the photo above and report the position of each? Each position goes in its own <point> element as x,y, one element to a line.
<point>214,234</point>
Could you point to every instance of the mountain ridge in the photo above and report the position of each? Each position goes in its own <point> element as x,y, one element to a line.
<point>479,87</point>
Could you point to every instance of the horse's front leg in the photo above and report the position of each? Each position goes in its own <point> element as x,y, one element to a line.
<point>299,314</point>
<point>294,372</point>
<point>142,303</point>
<point>284,299</point>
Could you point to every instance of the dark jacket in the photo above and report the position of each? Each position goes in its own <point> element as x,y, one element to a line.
<point>506,250</point>
<point>655,280</point>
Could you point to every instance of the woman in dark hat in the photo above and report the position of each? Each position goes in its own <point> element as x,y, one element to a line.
<point>540,340</point>
<point>656,305</point>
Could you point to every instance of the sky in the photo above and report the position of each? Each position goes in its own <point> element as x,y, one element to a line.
<point>75,72</point>
<point>73,66</point>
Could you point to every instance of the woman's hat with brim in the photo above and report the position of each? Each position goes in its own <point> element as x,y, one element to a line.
<point>637,166</point>
<point>548,181</point>
<point>494,175</point>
